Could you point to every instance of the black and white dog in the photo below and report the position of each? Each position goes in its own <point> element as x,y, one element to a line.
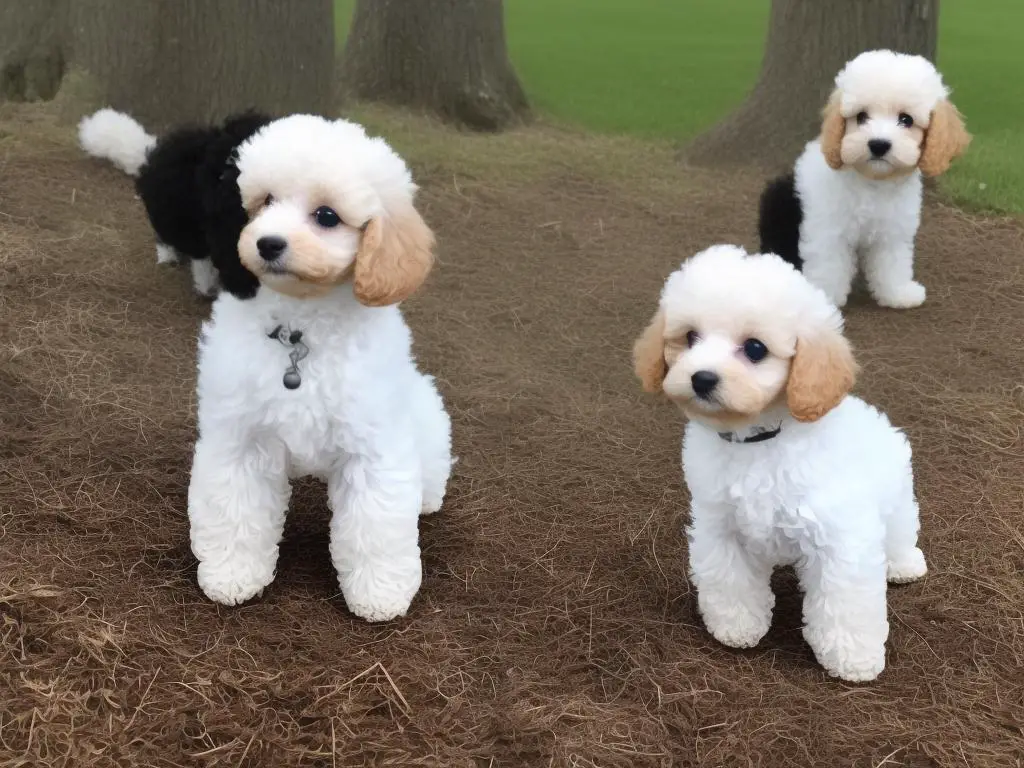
<point>853,200</point>
<point>187,182</point>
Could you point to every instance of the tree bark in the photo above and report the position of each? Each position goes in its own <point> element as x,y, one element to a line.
<point>809,41</point>
<point>447,56</point>
<point>31,49</point>
<point>169,62</point>
<point>174,61</point>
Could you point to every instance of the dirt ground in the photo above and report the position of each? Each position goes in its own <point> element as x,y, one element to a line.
<point>555,625</point>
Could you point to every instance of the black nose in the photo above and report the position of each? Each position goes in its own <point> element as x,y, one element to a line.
<point>879,147</point>
<point>704,382</point>
<point>271,247</point>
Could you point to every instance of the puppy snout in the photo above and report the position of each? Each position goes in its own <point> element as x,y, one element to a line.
<point>879,147</point>
<point>271,247</point>
<point>704,382</point>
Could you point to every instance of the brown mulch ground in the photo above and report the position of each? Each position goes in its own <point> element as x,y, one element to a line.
<point>555,625</point>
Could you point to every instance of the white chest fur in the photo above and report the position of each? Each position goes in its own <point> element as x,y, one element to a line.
<point>351,361</point>
<point>762,501</point>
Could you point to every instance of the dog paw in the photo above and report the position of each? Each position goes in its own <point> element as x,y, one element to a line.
<point>431,505</point>
<point>857,670</point>
<point>839,299</point>
<point>838,295</point>
<point>909,566</point>
<point>233,582</point>
<point>165,254</point>
<point>735,626</point>
<point>846,655</point>
<point>205,280</point>
<point>208,294</point>
<point>906,296</point>
<point>207,290</point>
<point>382,593</point>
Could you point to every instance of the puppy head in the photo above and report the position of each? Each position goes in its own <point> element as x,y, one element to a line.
<point>890,113</point>
<point>328,204</point>
<point>737,334</point>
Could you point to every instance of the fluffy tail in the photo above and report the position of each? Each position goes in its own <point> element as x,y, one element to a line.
<point>116,137</point>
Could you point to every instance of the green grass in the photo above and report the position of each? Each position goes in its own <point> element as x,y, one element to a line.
<point>667,69</point>
<point>654,68</point>
<point>981,53</point>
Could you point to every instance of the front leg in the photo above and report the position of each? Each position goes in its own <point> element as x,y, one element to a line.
<point>845,619</point>
<point>237,499</point>
<point>889,268</point>
<point>374,532</point>
<point>734,592</point>
<point>830,263</point>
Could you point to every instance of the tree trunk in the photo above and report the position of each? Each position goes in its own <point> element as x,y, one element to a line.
<point>448,56</point>
<point>809,41</point>
<point>31,49</point>
<point>173,61</point>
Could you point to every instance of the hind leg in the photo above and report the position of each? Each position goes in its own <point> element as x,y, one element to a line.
<point>435,444</point>
<point>904,559</point>
<point>204,278</point>
<point>830,264</point>
<point>165,254</point>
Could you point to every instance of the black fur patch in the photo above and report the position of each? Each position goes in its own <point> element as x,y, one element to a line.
<point>779,220</point>
<point>188,185</point>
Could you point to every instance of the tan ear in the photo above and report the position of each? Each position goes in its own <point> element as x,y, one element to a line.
<point>945,139</point>
<point>833,129</point>
<point>394,258</point>
<point>821,375</point>
<point>649,354</point>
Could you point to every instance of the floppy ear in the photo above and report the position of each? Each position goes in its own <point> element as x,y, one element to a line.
<point>394,258</point>
<point>821,375</point>
<point>649,354</point>
<point>945,139</point>
<point>833,129</point>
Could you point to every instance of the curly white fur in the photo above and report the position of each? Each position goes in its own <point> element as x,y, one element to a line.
<point>834,497</point>
<point>117,137</point>
<point>363,419</point>
<point>846,214</point>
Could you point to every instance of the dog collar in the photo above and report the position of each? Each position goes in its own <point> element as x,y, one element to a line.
<point>289,338</point>
<point>758,435</point>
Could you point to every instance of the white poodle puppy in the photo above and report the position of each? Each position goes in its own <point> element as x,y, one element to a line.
<point>856,190</point>
<point>305,368</point>
<point>783,466</point>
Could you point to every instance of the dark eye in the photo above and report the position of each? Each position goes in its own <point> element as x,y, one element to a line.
<point>692,338</point>
<point>905,120</point>
<point>862,117</point>
<point>755,350</point>
<point>326,217</point>
<point>268,200</point>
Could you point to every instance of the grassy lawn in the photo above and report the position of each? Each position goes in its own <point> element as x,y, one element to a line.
<point>666,69</point>
<point>981,52</point>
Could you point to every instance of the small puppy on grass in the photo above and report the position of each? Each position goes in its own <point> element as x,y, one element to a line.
<point>784,467</point>
<point>856,190</point>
